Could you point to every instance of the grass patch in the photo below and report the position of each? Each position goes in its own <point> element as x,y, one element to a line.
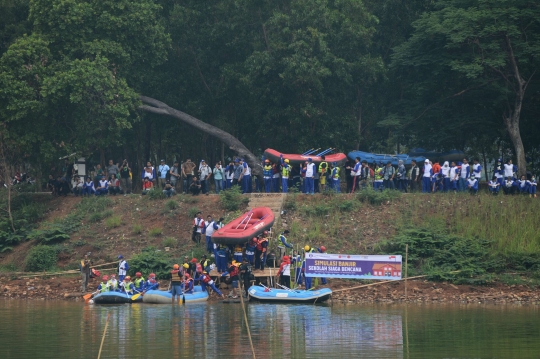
<point>171,205</point>
<point>169,242</point>
<point>155,232</point>
<point>93,204</point>
<point>192,212</point>
<point>95,217</point>
<point>137,229</point>
<point>369,195</point>
<point>113,222</point>
<point>184,198</point>
<point>155,194</point>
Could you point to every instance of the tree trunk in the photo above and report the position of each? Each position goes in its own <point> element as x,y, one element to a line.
<point>160,108</point>
<point>512,125</point>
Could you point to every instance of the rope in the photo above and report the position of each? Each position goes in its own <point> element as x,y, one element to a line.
<point>245,319</point>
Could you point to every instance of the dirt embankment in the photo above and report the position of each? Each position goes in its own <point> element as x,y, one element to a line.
<point>418,291</point>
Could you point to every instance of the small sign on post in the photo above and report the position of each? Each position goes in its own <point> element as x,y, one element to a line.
<point>374,267</point>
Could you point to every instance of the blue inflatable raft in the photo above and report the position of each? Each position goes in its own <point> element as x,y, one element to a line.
<point>263,294</point>
<point>165,297</point>
<point>114,298</point>
<point>383,159</point>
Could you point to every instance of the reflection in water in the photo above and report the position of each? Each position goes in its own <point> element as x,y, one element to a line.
<point>71,330</point>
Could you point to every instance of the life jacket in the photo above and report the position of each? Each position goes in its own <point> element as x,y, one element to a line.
<point>260,244</point>
<point>335,173</point>
<point>206,278</point>
<point>285,170</point>
<point>104,287</point>
<point>238,250</point>
<point>267,171</point>
<point>174,276</point>
<point>234,272</point>
<point>378,175</point>
<point>204,263</point>
<point>138,282</point>
<point>323,169</point>
<point>127,286</point>
<point>188,283</point>
<point>113,284</point>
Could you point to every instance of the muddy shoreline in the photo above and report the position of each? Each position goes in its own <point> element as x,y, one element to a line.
<point>418,291</point>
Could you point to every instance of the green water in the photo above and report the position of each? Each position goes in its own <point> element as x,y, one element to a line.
<point>72,330</point>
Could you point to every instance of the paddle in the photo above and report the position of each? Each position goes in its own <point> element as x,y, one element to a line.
<point>88,296</point>
<point>135,296</point>
<point>247,215</point>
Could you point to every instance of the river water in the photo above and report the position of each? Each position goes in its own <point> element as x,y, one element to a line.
<point>34,329</point>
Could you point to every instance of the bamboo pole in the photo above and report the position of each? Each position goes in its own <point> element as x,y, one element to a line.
<point>74,271</point>
<point>406,268</point>
<point>103,337</point>
<point>245,318</point>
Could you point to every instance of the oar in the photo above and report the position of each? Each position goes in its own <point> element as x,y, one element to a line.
<point>247,222</point>
<point>88,296</point>
<point>305,153</point>
<point>260,219</point>
<point>135,296</point>
<point>247,215</point>
<point>313,151</point>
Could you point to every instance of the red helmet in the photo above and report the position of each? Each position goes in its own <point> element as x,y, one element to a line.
<point>138,274</point>
<point>152,275</point>
<point>265,232</point>
<point>105,277</point>
<point>323,249</point>
<point>187,276</point>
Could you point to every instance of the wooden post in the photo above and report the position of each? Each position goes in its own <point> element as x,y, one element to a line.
<point>406,268</point>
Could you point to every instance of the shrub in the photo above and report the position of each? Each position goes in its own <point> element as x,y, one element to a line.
<point>317,210</point>
<point>171,205</point>
<point>155,232</point>
<point>137,229</point>
<point>192,212</point>
<point>150,261</point>
<point>169,242</point>
<point>231,199</point>
<point>290,202</point>
<point>114,221</point>
<point>188,199</point>
<point>40,258</point>
<point>347,205</point>
<point>369,195</point>
<point>155,194</point>
<point>52,234</point>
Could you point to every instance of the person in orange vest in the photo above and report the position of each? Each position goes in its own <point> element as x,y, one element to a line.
<point>188,284</point>
<point>261,252</point>
<point>284,272</point>
<point>233,273</point>
<point>176,282</point>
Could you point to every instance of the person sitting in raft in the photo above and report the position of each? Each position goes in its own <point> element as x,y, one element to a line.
<point>104,285</point>
<point>233,272</point>
<point>151,283</point>
<point>127,286</point>
<point>205,281</point>
<point>188,284</point>
<point>113,283</point>
<point>139,281</point>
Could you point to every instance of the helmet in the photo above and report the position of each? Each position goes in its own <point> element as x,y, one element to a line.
<point>138,274</point>
<point>186,275</point>
<point>113,276</point>
<point>151,275</point>
<point>194,260</point>
<point>186,265</point>
<point>120,257</point>
<point>267,160</point>
<point>307,248</point>
<point>323,249</point>
<point>127,278</point>
<point>205,272</point>
<point>286,160</point>
<point>176,266</point>
<point>265,232</point>
<point>105,277</point>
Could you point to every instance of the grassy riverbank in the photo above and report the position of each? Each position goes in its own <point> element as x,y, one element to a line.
<point>486,239</point>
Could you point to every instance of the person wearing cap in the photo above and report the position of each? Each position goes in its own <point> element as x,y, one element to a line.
<point>465,172</point>
<point>163,170</point>
<point>251,246</point>
<point>210,226</point>
<point>176,278</point>
<point>204,175</point>
<point>123,267</point>
<point>426,177</point>
<point>151,283</point>
<point>285,173</point>
<point>168,190</point>
<point>310,174</point>
<point>267,176</point>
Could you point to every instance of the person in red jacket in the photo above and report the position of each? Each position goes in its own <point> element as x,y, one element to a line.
<point>233,273</point>
<point>284,272</point>
<point>206,281</point>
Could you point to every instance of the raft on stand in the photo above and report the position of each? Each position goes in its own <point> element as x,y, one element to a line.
<point>114,298</point>
<point>273,295</point>
<point>297,159</point>
<point>245,227</point>
<point>165,297</point>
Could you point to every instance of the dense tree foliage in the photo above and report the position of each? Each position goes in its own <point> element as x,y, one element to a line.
<point>379,76</point>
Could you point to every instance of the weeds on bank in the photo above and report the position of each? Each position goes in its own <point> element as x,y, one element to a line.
<point>171,205</point>
<point>373,197</point>
<point>192,212</point>
<point>155,232</point>
<point>137,229</point>
<point>169,242</point>
<point>155,194</point>
<point>113,222</point>
<point>232,199</point>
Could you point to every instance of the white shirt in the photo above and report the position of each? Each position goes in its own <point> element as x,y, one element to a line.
<point>310,170</point>
<point>286,270</point>
<point>453,173</point>
<point>427,168</point>
<point>508,170</point>
<point>464,170</point>
<point>121,266</point>
<point>478,175</point>
<point>205,171</point>
<point>209,228</point>
<point>445,171</point>
<point>248,170</point>
<point>197,222</point>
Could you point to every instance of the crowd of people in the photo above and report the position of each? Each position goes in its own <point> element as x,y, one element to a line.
<point>308,178</point>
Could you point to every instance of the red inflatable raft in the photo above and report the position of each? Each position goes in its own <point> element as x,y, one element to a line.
<point>245,227</point>
<point>295,159</point>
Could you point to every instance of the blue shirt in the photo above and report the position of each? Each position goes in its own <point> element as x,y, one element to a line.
<point>163,169</point>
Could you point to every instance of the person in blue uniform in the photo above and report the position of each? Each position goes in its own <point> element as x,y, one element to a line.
<point>532,188</point>
<point>151,283</point>
<point>251,246</point>
<point>261,252</point>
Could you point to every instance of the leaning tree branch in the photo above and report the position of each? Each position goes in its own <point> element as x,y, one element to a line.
<point>160,108</point>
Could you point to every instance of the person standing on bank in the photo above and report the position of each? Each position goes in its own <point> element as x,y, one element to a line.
<point>205,172</point>
<point>426,177</point>
<point>85,273</point>
<point>187,173</point>
<point>218,177</point>
<point>174,175</point>
<point>209,228</point>
<point>310,174</point>
<point>414,176</point>
<point>125,177</point>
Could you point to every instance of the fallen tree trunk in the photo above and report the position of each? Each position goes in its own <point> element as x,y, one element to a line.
<point>160,108</point>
